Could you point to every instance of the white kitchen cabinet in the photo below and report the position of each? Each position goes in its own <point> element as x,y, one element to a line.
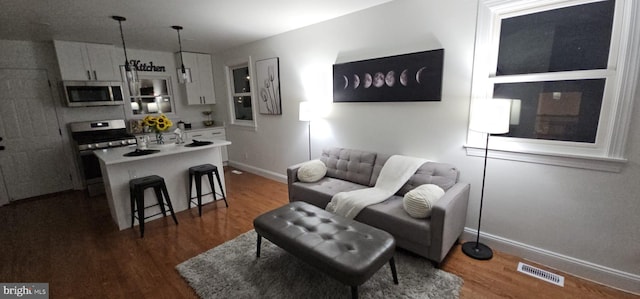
<point>85,61</point>
<point>216,133</point>
<point>200,91</point>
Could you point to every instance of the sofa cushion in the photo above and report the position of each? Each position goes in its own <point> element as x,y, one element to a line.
<point>419,201</point>
<point>312,171</point>
<point>347,164</point>
<point>441,174</point>
<point>391,217</point>
<point>320,193</point>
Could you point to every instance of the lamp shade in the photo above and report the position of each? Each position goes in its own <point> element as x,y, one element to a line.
<point>184,75</point>
<point>490,116</point>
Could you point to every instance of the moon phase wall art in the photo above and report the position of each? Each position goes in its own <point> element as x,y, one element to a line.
<point>401,78</point>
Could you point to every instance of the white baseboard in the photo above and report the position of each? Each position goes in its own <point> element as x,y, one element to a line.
<point>259,171</point>
<point>617,279</point>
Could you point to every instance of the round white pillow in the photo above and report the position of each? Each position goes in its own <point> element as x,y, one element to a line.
<point>419,201</point>
<point>312,171</point>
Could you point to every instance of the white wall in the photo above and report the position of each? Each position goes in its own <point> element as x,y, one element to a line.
<point>580,221</point>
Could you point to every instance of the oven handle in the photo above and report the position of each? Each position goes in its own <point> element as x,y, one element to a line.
<point>86,152</point>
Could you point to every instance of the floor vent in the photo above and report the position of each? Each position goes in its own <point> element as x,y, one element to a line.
<point>541,274</point>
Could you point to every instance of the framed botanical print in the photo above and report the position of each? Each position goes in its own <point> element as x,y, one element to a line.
<point>268,86</point>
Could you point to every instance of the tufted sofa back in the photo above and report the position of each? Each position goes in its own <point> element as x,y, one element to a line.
<point>441,174</point>
<point>363,168</point>
<point>349,165</point>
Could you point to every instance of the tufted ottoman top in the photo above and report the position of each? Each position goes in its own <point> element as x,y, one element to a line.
<point>348,250</point>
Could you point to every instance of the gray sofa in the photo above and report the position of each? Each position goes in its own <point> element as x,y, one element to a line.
<point>349,169</point>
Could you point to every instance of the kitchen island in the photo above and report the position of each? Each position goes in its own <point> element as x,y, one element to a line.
<point>171,161</point>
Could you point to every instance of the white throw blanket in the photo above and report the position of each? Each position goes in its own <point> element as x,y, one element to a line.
<point>394,173</point>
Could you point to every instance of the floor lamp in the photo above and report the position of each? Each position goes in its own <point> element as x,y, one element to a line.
<point>489,116</point>
<point>306,114</point>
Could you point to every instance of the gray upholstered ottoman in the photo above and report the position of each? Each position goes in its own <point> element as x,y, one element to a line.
<point>345,249</point>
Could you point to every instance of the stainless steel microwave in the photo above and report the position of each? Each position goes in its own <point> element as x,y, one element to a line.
<point>92,93</point>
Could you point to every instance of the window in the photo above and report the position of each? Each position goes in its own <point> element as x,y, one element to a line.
<point>240,95</point>
<point>569,68</point>
<point>153,96</point>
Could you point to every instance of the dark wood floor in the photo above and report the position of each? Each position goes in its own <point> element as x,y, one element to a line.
<point>71,242</point>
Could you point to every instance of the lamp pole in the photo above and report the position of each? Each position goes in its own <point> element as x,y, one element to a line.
<point>309,129</point>
<point>476,249</point>
<point>306,113</point>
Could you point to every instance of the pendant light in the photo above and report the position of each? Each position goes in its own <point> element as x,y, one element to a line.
<point>130,71</point>
<point>184,74</point>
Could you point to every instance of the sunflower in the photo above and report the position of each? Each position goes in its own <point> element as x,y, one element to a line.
<point>149,121</point>
<point>159,124</point>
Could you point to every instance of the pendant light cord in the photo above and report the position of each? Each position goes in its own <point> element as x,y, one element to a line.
<point>124,46</point>
<point>177,28</point>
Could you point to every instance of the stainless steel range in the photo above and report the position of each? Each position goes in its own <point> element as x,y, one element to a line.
<point>93,135</point>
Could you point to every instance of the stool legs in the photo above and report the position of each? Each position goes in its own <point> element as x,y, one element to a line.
<point>199,194</point>
<point>140,208</point>
<point>221,189</point>
<point>132,196</point>
<point>137,188</point>
<point>166,195</point>
<point>196,173</point>
<point>158,191</point>
<point>190,188</point>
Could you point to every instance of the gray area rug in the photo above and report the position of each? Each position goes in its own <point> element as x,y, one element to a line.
<point>232,270</point>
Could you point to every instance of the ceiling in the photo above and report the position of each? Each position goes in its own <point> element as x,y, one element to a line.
<point>209,25</point>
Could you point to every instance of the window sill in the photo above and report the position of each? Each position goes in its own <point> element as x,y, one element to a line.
<point>575,161</point>
<point>245,126</point>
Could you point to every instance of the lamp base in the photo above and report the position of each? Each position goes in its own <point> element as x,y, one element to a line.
<point>477,251</point>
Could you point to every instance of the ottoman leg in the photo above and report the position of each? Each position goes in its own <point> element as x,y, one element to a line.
<point>354,292</point>
<point>392,264</point>
<point>258,247</point>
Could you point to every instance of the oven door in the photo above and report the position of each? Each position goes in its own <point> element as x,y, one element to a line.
<point>92,176</point>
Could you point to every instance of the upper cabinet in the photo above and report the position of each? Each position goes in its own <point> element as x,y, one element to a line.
<point>200,91</point>
<point>84,61</point>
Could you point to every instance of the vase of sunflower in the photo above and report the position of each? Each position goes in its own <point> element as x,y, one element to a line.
<point>158,125</point>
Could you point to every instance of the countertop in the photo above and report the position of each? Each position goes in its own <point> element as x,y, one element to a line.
<point>194,128</point>
<point>116,155</point>
<point>200,126</point>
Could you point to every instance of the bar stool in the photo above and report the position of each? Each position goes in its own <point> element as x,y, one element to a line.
<point>197,172</point>
<point>136,194</point>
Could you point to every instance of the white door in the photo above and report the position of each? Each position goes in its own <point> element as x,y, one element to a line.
<point>33,161</point>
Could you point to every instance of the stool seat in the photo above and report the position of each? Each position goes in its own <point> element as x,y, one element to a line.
<point>147,181</point>
<point>196,172</point>
<point>203,169</point>
<point>137,187</point>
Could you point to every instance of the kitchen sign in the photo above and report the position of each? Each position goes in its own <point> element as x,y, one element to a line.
<point>146,67</point>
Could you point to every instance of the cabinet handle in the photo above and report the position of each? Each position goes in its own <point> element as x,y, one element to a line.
<point>88,75</point>
<point>95,75</point>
